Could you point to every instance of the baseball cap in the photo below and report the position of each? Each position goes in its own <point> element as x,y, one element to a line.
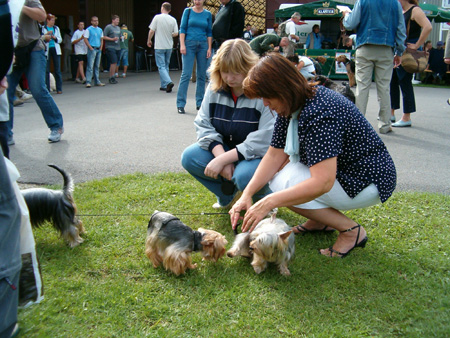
<point>440,43</point>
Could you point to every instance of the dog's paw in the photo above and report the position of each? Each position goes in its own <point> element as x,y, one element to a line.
<point>284,270</point>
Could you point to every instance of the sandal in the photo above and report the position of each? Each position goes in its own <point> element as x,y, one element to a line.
<point>361,244</point>
<point>302,230</point>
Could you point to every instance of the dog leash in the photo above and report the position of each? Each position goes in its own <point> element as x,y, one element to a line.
<point>128,215</point>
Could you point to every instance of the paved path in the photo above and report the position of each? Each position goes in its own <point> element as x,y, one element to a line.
<point>133,127</point>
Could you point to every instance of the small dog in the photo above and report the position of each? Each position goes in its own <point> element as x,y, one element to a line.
<point>57,207</point>
<point>350,67</point>
<point>171,242</point>
<point>342,88</point>
<point>272,241</point>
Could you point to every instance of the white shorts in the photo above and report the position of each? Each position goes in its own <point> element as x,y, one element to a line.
<point>336,198</point>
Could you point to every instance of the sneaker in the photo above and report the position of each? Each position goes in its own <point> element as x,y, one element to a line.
<point>124,75</point>
<point>116,75</point>
<point>55,135</point>
<point>83,81</point>
<point>26,97</point>
<point>17,102</point>
<point>11,141</point>
<point>88,85</point>
<point>105,71</point>
<point>180,110</point>
<point>78,80</point>
<point>218,206</point>
<point>169,87</point>
<point>100,84</point>
<point>162,89</point>
<point>113,81</point>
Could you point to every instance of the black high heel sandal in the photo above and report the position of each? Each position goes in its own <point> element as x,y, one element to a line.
<point>361,244</point>
<point>302,230</point>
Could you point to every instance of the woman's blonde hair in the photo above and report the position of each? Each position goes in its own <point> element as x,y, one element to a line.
<point>234,56</point>
<point>275,77</point>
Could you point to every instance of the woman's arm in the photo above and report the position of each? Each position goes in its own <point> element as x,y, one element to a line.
<point>182,45</point>
<point>269,166</point>
<point>323,176</point>
<point>419,16</point>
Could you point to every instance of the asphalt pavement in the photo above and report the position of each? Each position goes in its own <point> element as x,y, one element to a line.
<point>134,127</point>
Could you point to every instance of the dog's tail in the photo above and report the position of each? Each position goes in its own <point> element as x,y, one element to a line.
<point>68,182</point>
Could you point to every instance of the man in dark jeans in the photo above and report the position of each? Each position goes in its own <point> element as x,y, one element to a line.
<point>229,23</point>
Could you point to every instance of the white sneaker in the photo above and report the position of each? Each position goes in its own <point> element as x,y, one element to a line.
<point>78,80</point>
<point>124,75</point>
<point>116,75</point>
<point>218,206</point>
<point>55,135</point>
<point>26,97</point>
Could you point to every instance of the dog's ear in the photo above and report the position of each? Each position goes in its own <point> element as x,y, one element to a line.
<point>284,236</point>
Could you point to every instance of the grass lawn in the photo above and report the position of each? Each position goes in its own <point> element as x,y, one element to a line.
<point>398,286</point>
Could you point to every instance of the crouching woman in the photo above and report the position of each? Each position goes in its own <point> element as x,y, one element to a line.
<point>233,131</point>
<point>324,157</point>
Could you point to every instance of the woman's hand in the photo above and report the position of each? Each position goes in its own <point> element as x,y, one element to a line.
<point>3,85</point>
<point>183,50</point>
<point>215,168</point>
<point>227,172</point>
<point>208,53</point>
<point>244,203</point>
<point>412,46</point>
<point>256,214</point>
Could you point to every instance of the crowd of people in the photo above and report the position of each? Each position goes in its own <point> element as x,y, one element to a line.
<point>266,136</point>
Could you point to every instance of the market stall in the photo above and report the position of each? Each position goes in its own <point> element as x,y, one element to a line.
<point>329,15</point>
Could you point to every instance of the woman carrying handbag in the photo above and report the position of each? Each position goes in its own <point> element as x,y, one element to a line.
<point>418,27</point>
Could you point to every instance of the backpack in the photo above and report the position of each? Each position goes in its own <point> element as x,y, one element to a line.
<point>282,29</point>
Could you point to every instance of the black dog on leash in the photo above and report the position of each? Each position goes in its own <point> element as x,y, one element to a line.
<point>57,207</point>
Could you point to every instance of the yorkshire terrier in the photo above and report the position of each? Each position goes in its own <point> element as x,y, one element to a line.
<point>342,88</point>
<point>170,242</point>
<point>57,207</point>
<point>271,241</point>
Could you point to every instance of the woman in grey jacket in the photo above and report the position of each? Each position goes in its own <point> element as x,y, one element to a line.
<point>233,131</point>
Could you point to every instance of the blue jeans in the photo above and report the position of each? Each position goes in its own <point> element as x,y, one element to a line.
<point>162,57</point>
<point>35,73</point>
<point>123,57</point>
<point>195,50</point>
<point>195,159</point>
<point>93,63</point>
<point>57,67</point>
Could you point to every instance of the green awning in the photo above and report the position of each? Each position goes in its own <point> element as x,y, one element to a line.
<point>313,11</point>
<point>438,14</point>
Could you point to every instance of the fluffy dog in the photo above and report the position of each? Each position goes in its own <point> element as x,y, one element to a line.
<point>171,242</point>
<point>350,67</point>
<point>342,88</point>
<point>272,241</point>
<point>57,207</point>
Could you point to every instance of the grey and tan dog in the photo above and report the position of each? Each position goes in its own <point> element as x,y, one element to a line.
<point>57,207</point>
<point>171,242</point>
<point>272,241</point>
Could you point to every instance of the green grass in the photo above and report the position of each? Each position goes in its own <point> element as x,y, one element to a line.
<point>398,286</point>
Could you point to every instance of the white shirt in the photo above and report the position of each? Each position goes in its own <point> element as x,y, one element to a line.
<point>290,29</point>
<point>308,64</point>
<point>164,26</point>
<point>80,46</point>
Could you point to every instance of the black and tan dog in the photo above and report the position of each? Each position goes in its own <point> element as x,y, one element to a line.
<point>342,88</point>
<point>57,207</point>
<point>349,67</point>
<point>171,242</point>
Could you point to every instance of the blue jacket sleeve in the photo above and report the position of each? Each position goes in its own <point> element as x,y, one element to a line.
<point>184,21</point>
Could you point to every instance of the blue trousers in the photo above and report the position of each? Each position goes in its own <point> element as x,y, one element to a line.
<point>195,159</point>
<point>93,65</point>
<point>402,80</point>
<point>35,73</point>
<point>195,50</point>
<point>162,57</point>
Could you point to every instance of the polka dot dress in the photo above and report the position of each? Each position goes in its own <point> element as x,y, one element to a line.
<point>331,126</point>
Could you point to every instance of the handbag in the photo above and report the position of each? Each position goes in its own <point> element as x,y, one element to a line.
<point>414,61</point>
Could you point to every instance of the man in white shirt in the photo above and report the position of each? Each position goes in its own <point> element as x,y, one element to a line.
<point>165,28</point>
<point>80,52</point>
<point>290,31</point>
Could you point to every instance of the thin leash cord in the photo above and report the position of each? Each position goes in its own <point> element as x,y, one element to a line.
<point>129,215</point>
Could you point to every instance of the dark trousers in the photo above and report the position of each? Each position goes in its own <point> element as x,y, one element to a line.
<point>402,80</point>
<point>4,138</point>
<point>57,67</point>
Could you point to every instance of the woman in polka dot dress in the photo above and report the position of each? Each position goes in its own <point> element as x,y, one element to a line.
<point>324,157</point>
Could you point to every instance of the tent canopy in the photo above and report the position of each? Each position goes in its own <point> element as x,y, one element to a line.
<point>327,9</point>
<point>438,14</point>
<point>313,11</point>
